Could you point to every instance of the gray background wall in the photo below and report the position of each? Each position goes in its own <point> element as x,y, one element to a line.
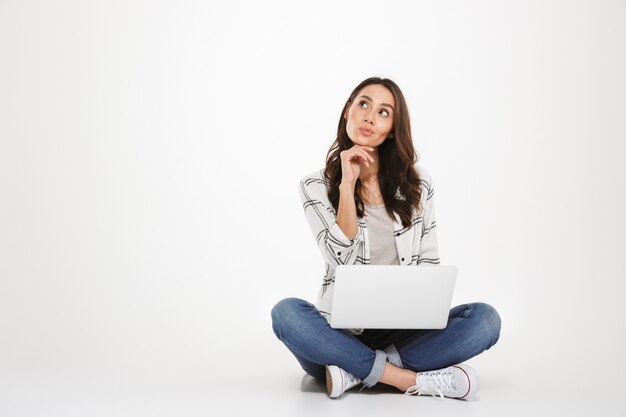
<point>150,154</point>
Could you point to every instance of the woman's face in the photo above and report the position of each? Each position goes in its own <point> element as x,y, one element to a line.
<point>370,116</point>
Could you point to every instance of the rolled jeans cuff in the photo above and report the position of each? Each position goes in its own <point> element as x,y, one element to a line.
<point>377,369</point>
<point>393,357</point>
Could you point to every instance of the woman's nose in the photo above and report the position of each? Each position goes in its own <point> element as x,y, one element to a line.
<point>368,118</point>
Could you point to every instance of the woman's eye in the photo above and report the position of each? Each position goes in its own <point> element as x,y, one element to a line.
<point>363,104</point>
<point>384,113</point>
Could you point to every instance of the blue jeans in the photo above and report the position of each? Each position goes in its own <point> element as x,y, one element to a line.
<point>472,328</point>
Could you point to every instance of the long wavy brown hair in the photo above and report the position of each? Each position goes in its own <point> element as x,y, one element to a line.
<point>398,179</point>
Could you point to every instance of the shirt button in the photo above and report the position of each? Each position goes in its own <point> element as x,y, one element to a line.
<point>338,253</point>
<point>402,259</point>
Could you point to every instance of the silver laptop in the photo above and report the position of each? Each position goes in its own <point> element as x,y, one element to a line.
<point>392,296</point>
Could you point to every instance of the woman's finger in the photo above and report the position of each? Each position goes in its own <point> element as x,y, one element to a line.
<point>364,154</point>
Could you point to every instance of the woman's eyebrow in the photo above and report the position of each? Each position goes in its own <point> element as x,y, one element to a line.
<point>382,104</point>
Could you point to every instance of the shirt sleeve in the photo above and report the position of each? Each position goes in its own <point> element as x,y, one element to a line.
<point>335,247</point>
<point>429,249</point>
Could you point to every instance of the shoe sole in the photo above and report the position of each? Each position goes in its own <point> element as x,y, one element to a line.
<point>330,371</point>
<point>329,382</point>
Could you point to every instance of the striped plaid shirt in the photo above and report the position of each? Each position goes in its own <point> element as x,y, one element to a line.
<point>416,244</point>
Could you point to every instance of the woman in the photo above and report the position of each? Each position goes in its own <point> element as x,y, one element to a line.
<point>373,205</point>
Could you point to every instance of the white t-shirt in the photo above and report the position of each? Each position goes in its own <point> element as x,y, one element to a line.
<point>383,249</point>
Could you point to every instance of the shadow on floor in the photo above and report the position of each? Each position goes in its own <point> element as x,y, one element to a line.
<point>310,384</point>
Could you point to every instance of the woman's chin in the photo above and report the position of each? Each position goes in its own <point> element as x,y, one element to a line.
<point>367,142</point>
<point>361,141</point>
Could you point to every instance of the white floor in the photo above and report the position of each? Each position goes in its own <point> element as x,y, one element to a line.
<point>280,388</point>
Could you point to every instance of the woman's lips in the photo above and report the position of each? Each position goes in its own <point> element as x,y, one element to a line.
<point>366,132</point>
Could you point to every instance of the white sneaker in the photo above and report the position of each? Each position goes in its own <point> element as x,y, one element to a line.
<point>457,381</point>
<point>339,381</point>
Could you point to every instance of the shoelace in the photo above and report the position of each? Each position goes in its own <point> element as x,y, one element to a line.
<point>432,383</point>
<point>352,380</point>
